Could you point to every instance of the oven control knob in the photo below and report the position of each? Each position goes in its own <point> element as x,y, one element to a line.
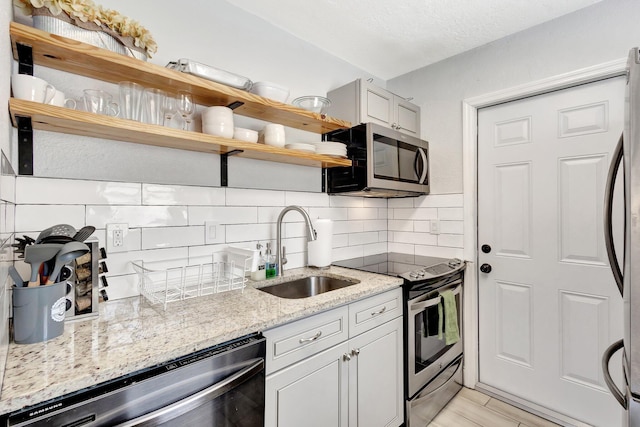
<point>413,275</point>
<point>485,268</point>
<point>421,273</point>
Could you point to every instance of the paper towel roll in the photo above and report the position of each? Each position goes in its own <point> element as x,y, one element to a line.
<point>320,250</point>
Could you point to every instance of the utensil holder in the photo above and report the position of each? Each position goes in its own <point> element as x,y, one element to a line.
<point>38,312</point>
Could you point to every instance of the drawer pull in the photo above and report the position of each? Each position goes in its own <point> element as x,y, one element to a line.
<point>382,310</point>
<point>313,338</point>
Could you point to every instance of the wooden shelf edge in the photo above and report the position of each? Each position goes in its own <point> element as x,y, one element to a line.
<point>65,120</point>
<point>73,56</point>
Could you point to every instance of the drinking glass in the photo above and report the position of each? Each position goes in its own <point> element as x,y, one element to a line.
<point>169,109</point>
<point>186,107</point>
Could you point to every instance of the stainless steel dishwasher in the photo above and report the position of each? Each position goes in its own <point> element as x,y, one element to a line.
<point>218,386</point>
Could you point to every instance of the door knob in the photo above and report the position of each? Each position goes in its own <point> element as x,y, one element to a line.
<point>486,249</point>
<point>485,268</point>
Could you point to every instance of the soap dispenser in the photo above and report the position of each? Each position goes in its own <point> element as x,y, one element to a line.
<point>271,268</point>
<point>258,269</point>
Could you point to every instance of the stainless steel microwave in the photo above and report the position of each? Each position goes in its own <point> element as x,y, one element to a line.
<point>385,163</point>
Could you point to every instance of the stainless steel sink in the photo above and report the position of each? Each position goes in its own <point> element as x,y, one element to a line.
<point>308,286</point>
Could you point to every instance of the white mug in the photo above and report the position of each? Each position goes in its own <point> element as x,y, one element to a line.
<point>60,101</point>
<point>218,121</point>
<point>31,88</point>
<point>273,134</point>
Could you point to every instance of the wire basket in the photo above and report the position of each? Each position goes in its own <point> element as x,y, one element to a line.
<point>162,282</point>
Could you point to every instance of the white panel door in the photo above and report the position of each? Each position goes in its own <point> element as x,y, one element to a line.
<point>549,307</point>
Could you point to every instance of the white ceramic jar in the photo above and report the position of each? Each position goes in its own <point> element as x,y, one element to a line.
<point>218,121</point>
<point>273,134</point>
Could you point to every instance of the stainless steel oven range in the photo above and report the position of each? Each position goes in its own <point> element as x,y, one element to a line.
<point>218,386</point>
<point>433,368</point>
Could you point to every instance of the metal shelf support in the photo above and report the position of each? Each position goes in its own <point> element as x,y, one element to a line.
<point>224,167</point>
<point>25,145</point>
<point>25,59</point>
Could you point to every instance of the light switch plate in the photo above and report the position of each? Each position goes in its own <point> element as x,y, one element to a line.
<point>213,232</point>
<point>435,226</point>
<point>117,237</point>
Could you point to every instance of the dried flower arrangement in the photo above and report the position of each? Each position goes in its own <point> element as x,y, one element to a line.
<point>86,14</point>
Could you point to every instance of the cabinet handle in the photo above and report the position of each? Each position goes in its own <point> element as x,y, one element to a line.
<point>394,126</point>
<point>346,357</point>
<point>382,310</point>
<point>313,338</point>
<point>355,352</point>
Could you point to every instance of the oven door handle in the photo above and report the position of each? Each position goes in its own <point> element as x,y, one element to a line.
<point>189,403</point>
<point>421,304</point>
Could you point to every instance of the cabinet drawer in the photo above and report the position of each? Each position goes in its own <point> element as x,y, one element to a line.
<point>295,341</point>
<point>374,311</point>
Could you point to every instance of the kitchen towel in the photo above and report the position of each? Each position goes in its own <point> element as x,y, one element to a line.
<point>320,251</point>
<point>448,318</point>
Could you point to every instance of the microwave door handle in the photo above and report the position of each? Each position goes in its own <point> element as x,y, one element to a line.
<point>421,305</point>
<point>608,223</point>
<point>189,403</point>
<point>425,165</point>
<point>609,352</point>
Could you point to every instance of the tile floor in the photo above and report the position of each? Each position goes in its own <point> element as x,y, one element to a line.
<point>470,408</point>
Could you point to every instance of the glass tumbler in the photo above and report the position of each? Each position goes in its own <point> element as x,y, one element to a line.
<point>131,100</point>
<point>153,102</point>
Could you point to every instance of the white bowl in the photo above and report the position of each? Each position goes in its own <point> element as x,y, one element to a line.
<point>316,104</point>
<point>246,135</point>
<point>271,90</point>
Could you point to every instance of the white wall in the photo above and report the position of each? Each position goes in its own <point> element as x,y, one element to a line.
<point>597,34</point>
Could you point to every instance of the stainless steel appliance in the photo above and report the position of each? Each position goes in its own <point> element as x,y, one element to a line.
<point>385,163</point>
<point>433,369</point>
<point>628,277</point>
<point>218,386</point>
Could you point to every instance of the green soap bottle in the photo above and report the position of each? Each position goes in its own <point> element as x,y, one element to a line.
<point>271,268</point>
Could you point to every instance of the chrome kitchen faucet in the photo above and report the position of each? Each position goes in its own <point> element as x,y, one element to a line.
<point>281,260</point>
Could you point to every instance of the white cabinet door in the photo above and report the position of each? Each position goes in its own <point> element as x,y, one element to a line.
<point>377,105</point>
<point>407,117</point>
<point>311,393</point>
<point>375,377</point>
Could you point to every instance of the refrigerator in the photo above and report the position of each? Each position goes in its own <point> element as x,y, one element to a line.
<point>627,275</point>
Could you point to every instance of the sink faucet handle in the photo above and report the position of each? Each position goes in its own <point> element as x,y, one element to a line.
<point>283,261</point>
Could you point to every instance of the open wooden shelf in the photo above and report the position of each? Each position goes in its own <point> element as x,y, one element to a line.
<point>69,55</point>
<point>65,120</point>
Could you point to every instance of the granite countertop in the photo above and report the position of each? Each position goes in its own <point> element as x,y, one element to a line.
<point>131,334</point>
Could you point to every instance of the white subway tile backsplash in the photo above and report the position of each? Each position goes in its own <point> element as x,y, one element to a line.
<point>170,237</point>
<point>248,197</point>
<point>40,217</point>
<point>137,216</point>
<point>400,202</point>
<point>363,213</point>
<point>346,202</point>
<point>120,263</point>
<point>439,201</point>
<point>209,250</point>
<point>132,241</point>
<point>271,214</point>
<point>414,214</point>
<point>306,199</point>
<point>451,227</point>
<point>437,251</point>
<point>340,240</point>
<point>155,194</point>
<point>340,227</point>
<point>374,225</point>
<point>121,287</point>
<point>383,213</point>
<point>401,225</point>
<point>347,252</point>
<point>250,232</point>
<point>49,191</point>
<point>422,226</point>
<point>415,238</point>
<point>402,248</point>
<point>335,214</point>
<point>374,248</point>
<point>363,238</point>
<point>450,214</point>
<point>8,188</point>
<point>383,236</point>
<point>372,202</point>
<point>223,215</point>
<point>451,240</point>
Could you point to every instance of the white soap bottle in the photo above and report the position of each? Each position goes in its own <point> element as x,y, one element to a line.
<point>258,270</point>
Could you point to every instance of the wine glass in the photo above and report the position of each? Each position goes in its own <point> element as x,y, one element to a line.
<point>186,107</point>
<point>169,109</point>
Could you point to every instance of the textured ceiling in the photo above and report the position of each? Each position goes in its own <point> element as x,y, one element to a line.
<point>389,38</point>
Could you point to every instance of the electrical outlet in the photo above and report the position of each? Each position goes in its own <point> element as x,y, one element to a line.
<point>117,237</point>
<point>435,226</point>
<point>213,232</point>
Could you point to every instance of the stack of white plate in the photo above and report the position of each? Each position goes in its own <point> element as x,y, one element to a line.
<point>309,148</point>
<point>328,148</point>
